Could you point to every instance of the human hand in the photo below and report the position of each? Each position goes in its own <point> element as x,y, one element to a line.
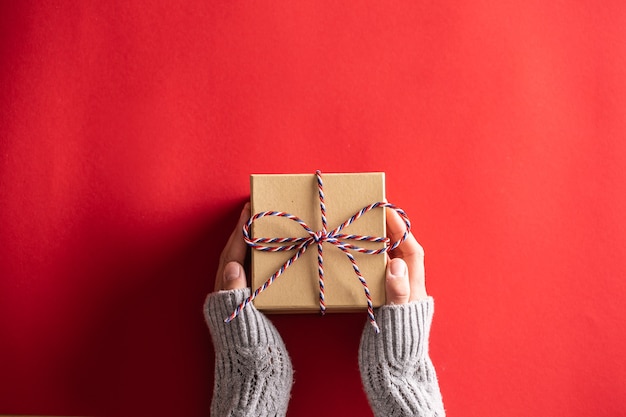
<point>405,279</point>
<point>397,373</point>
<point>250,355</point>
<point>230,272</point>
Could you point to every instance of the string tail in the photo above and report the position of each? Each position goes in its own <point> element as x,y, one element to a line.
<point>238,310</point>
<point>375,325</point>
<point>320,269</point>
<point>370,306</point>
<point>301,249</point>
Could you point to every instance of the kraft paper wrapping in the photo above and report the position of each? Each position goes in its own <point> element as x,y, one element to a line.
<point>297,289</point>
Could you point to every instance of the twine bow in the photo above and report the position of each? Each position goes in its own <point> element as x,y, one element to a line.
<point>334,237</point>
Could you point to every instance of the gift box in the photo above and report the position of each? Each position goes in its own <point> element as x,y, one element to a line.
<point>297,290</point>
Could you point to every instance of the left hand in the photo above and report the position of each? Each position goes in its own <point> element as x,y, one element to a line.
<point>230,272</point>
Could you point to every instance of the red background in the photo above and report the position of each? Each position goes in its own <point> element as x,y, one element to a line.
<point>128,132</point>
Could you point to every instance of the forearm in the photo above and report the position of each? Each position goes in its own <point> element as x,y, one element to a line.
<point>397,373</point>
<point>253,372</point>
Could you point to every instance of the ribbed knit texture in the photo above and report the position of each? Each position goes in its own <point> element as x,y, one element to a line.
<point>253,372</point>
<point>397,373</point>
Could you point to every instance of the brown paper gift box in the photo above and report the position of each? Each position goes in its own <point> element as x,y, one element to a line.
<point>297,289</point>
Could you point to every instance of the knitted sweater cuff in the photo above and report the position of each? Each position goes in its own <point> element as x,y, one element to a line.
<point>253,372</point>
<point>249,329</point>
<point>404,330</point>
<point>397,373</point>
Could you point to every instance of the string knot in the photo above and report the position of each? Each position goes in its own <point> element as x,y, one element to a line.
<point>320,236</point>
<point>334,237</point>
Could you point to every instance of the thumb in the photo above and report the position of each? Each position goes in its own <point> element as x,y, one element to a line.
<point>398,289</point>
<point>234,276</point>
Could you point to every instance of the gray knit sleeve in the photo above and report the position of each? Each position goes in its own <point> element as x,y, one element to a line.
<point>253,372</point>
<point>397,373</point>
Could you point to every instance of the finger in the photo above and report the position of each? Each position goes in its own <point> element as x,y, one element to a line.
<point>395,230</point>
<point>234,276</point>
<point>235,249</point>
<point>395,224</point>
<point>410,251</point>
<point>397,286</point>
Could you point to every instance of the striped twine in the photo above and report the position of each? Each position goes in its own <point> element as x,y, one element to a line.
<point>334,237</point>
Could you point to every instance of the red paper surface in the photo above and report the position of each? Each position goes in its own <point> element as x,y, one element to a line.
<point>128,131</point>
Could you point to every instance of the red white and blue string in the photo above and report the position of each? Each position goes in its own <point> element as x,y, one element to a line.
<point>334,237</point>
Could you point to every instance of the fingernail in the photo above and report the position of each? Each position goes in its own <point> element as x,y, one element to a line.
<point>397,268</point>
<point>232,271</point>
